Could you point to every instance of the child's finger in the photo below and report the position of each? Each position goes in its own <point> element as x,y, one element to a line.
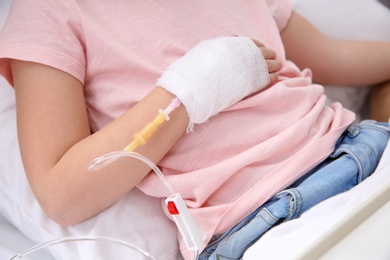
<point>273,65</point>
<point>258,44</point>
<point>268,53</point>
<point>273,77</point>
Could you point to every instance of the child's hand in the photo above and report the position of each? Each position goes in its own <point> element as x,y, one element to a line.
<point>270,57</point>
<point>217,73</point>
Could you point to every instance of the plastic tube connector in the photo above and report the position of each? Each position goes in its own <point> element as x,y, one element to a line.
<point>142,136</point>
<point>193,237</point>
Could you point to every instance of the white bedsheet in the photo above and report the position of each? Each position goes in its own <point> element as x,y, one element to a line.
<point>12,242</point>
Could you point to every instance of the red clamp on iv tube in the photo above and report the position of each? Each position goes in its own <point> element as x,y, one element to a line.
<point>192,236</point>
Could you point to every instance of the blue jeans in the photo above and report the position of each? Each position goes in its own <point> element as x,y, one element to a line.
<point>355,157</point>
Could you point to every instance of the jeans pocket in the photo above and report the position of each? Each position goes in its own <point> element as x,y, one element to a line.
<point>365,143</point>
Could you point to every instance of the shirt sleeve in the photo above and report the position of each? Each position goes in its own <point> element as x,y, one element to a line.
<point>281,11</point>
<point>46,32</point>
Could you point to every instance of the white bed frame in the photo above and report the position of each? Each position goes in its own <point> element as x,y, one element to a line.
<point>363,234</point>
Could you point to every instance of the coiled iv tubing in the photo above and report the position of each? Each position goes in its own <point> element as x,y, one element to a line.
<point>82,238</point>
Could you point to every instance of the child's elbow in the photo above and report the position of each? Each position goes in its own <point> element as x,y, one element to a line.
<point>61,216</point>
<point>61,211</point>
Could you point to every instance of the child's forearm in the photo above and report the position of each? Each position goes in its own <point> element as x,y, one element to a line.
<point>358,63</point>
<point>336,62</point>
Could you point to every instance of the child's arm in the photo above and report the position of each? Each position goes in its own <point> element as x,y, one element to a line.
<point>335,62</point>
<point>56,144</point>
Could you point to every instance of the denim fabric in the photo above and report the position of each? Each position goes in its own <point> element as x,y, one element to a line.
<point>356,155</point>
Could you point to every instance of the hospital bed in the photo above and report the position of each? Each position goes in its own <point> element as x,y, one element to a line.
<point>352,225</point>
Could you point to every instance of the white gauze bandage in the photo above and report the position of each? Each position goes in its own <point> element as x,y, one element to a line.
<point>214,75</point>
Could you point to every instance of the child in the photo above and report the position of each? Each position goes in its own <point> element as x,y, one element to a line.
<point>84,76</point>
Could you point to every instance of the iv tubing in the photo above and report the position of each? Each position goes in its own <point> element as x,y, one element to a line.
<point>108,158</point>
<point>82,238</point>
<point>140,138</point>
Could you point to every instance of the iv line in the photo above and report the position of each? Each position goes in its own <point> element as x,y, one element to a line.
<point>192,236</point>
<point>140,138</point>
<point>82,238</point>
<point>106,159</point>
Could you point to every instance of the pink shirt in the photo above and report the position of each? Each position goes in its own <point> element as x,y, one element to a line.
<point>230,165</point>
